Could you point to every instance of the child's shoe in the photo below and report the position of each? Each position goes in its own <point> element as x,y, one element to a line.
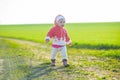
<point>52,62</point>
<point>65,62</point>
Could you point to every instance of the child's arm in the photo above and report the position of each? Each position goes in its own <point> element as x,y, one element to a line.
<point>49,35</point>
<point>69,42</point>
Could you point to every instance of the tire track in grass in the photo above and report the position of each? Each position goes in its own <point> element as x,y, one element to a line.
<point>1,68</point>
<point>11,64</point>
<point>11,68</point>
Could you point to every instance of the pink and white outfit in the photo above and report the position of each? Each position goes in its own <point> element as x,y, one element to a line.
<point>60,38</point>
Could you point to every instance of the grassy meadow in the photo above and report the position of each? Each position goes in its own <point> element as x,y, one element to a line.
<point>81,33</point>
<point>95,54</point>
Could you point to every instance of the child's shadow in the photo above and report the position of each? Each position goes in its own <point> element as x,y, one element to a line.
<point>40,70</point>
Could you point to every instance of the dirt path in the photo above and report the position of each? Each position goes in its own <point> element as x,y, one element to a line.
<point>26,60</point>
<point>15,62</point>
<point>20,66</point>
<point>1,67</point>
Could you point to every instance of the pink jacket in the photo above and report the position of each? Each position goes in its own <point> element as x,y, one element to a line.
<point>59,35</point>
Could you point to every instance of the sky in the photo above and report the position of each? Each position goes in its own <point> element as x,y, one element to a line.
<point>44,11</point>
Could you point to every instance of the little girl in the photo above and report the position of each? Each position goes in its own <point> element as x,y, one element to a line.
<point>60,37</point>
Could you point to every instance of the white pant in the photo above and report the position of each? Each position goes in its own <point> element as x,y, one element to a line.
<point>63,51</point>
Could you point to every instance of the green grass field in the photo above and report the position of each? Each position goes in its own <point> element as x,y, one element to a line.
<point>82,33</point>
<point>95,54</point>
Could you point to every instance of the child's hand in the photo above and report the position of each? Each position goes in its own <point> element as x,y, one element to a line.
<point>47,40</point>
<point>70,44</point>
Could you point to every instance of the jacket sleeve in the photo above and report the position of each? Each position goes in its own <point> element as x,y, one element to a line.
<point>67,38</point>
<point>50,34</point>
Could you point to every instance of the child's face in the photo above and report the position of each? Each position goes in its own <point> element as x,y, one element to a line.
<point>61,22</point>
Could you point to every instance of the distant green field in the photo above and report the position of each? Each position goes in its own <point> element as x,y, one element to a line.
<point>95,54</point>
<point>80,33</point>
